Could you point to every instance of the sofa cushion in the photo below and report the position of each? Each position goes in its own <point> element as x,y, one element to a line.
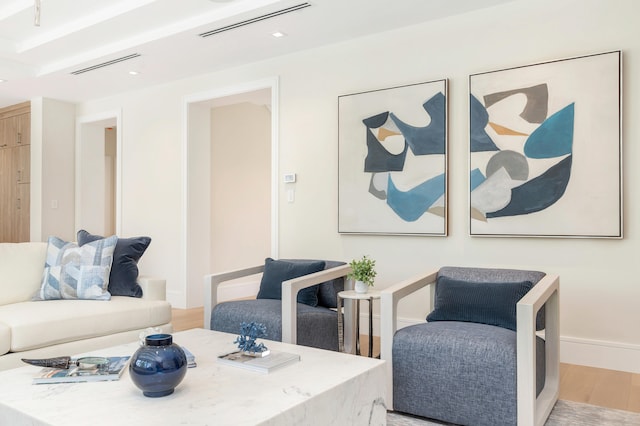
<point>21,266</point>
<point>5,338</point>
<point>73,272</point>
<point>124,271</point>
<point>277,271</point>
<point>39,324</point>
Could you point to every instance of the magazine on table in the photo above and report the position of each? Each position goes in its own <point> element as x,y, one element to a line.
<point>76,374</point>
<point>263,365</point>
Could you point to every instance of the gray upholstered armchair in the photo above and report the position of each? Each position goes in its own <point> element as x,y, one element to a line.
<point>296,302</point>
<point>480,358</point>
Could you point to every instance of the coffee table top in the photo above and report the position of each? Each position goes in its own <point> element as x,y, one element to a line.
<point>211,393</point>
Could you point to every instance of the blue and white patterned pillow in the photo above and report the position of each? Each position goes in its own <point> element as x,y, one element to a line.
<point>73,272</point>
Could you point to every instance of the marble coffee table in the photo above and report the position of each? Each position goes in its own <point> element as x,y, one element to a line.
<point>324,388</point>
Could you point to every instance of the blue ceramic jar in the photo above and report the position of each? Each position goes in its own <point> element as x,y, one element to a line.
<point>158,366</point>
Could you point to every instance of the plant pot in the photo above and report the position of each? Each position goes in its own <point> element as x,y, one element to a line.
<point>361,287</point>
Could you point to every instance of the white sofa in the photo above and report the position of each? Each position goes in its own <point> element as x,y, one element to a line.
<point>37,329</point>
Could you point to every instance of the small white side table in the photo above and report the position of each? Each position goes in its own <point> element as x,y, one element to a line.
<point>370,296</point>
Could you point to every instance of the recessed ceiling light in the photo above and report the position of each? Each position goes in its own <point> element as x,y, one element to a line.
<point>2,81</point>
<point>134,72</point>
<point>278,34</point>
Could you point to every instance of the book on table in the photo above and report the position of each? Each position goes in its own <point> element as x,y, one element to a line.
<point>191,359</point>
<point>266,364</point>
<point>75,374</point>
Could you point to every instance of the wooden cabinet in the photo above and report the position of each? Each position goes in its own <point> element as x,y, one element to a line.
<point>15,173</point>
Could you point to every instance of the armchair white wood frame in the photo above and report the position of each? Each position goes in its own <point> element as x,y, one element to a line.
<point>290,291</point>
<point>532,410</point>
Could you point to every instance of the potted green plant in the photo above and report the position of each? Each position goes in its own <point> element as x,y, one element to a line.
<point>363,272</point>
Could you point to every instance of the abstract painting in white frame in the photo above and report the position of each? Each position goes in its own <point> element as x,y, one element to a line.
<point>546,149</point>
<point>392,165</point>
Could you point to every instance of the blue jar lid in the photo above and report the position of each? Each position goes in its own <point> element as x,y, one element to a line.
<point>158,340</point>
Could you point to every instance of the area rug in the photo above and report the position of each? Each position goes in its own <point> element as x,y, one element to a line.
<point>565,413</point>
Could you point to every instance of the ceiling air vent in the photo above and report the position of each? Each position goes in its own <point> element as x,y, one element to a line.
<point>257,19</point>
<point>105,64</point>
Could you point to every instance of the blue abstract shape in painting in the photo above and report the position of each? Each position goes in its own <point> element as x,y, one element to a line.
<point>554,137</point>
<point>379,159</point>
<point>538,193</point>
<point>429,139</point>
<point>376,121</point>
<point>480,140</point>
<point>414,203</point>
<point>476,178</point>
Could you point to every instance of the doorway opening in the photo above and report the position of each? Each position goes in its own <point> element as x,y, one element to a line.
<point>98,165</point>
<point>230,216</point>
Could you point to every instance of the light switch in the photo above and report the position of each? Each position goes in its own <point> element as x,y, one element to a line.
<point>54,204</point>
<point>291,195</point>
<point>289,178</point>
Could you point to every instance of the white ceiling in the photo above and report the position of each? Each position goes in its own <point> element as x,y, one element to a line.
<point>38,60</point>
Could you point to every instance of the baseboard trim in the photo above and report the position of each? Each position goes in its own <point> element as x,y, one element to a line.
<point>600,354</point>
<point>573,350</point>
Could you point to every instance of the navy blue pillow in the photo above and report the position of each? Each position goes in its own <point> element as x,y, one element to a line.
<point>123,279</point>
<point>328,290</point>
<point>481,302</point>
<point>277,271</point>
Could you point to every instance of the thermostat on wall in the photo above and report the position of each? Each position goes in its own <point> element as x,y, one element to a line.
<point>289,177</point>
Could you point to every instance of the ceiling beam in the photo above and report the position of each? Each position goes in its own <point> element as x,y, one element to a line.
<point>86,21</point>
<point>124,45</point>
<point>14,8</point>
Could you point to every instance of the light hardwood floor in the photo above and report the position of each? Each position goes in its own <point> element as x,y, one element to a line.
<point>596,386</point>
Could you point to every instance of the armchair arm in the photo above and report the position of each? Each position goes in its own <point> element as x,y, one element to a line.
<point>213,281</point>
<point>532,410</point>
<point>290,291</point>
<point>153,288</point>
<point>389,298</point>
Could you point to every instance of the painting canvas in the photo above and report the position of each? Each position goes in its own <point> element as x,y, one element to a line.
<point>393,160</point>
<point>545,149</point>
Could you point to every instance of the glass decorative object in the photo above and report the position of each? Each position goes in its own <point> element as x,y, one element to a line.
<point>158,366</point>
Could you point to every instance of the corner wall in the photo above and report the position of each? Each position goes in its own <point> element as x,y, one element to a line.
<point>53,169</point>
<point>600,289</point>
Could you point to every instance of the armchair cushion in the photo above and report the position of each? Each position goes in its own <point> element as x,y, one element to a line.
<point>459,372</point>
<point>328,290</point>
<point>471,301</point>
<point>277,271</point>
<point>316,326</point>
<point>490,276</point>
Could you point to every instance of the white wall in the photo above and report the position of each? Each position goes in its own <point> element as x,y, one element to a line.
<point>600,289</point>
<point>92,181</point>
<point>110,176</point>
<point>53,169</point>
